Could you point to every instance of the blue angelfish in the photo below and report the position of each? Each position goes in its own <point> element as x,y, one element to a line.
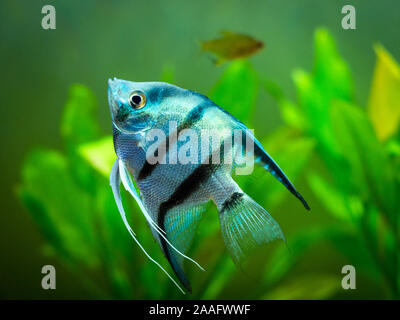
<point>157,129</point>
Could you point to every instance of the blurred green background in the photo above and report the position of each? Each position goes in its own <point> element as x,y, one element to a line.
<point>314,122</point>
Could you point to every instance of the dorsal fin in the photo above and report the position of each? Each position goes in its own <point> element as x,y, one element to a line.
<point>267,162</point>
<point>270,165</point>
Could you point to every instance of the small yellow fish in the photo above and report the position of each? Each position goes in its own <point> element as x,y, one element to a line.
<point>232,46</point>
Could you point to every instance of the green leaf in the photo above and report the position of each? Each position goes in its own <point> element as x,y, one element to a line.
<point>344,238</point>
<point>221,275</point>
<point>331,198</point>
<point>292,115</point>
<point>350,243</point>
<point>61,209</point>
<point>282,259</point>
<point>331,73</point>
<point>310,287</point>
<point>273,89</point>
<point>369,172</point>
<point>316,104</point>
<point>116,244</point>
<point>99,154</point>
<point>236,91</point>
<point>79,124</point>
<point>384,100</point>
<point>330,81</point>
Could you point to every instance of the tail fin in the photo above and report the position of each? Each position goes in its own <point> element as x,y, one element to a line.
<point>245,225</point>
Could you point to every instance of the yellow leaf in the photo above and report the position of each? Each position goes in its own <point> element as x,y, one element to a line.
<point>384,100</point>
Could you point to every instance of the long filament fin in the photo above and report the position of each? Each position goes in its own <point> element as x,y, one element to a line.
<point>128,184</point>
<point>115,182</point>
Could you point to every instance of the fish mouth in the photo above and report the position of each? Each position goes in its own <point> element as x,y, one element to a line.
<point>113,97</point>
<point>112,88</point>
<point>112,82</point>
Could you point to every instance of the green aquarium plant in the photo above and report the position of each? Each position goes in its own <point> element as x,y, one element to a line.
<point>359,183</point>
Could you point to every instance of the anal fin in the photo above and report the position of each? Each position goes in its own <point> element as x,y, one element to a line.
<point>180,225</point>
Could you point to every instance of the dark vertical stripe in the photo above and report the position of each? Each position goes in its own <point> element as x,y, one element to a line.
<point>192,182</point>
<point>192,118</point>
<point>189,186</point>
<point>232,201</point>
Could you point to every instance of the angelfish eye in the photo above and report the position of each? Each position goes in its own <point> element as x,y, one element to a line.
<point>137,100</point>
